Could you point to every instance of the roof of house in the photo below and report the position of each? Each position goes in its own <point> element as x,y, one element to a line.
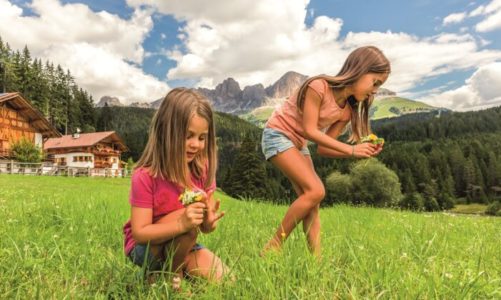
<point>36,119</point>
<point>85,140</point>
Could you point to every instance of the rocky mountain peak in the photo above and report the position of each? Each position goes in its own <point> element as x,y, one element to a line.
<point>286,85</point>
<point>111,101</point>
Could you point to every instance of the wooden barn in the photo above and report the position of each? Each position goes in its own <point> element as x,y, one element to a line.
<point>97,150</point>
<point>18,119</point>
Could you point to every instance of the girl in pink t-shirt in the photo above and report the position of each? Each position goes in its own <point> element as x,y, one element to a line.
<point>319,111</point>
<point>180,156</point>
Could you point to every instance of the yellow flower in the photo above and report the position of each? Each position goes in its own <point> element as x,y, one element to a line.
<point>372,138</point>
<point>283,235</point>
<point>188,197</point>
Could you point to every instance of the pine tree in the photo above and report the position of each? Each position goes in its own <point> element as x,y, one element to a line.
<point>248,176</point>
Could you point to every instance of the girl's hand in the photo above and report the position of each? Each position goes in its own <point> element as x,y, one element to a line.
<point>379,148</point>
<point>212,216</point>
<point>365,150</point>
<point>193,215</point>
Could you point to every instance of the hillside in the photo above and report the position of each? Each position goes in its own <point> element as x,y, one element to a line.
<point>397,106</point>
<point>381,108</point>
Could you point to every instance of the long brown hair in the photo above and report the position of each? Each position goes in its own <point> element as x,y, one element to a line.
<point>165,152</point>
<point>361,61</point>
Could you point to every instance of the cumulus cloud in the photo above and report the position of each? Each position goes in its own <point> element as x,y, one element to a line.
<point>481,90</point>
<point>253,41</point>
<point>258,43</point>
<point>492,13</point>
<point>102,51</point>
<point>454,18</point>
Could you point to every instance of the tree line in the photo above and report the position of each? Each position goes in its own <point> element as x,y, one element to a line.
<point>49,88</point>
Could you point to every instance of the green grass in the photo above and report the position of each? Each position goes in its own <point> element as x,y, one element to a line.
<point>62,238</point>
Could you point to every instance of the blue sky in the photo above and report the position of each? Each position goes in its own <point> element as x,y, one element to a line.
<point>446,53</point>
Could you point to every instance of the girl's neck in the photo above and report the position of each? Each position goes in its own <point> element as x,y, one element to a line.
<point>341,96</point>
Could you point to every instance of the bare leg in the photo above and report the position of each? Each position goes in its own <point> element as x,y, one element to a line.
<point>203,263</point>
<point>178,248</point>
<point>311,226</point>
<point>302,174</point>
<point>311,223</point>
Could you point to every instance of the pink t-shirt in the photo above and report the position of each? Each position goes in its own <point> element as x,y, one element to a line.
<point>161,195</point>
<point>289,120</point>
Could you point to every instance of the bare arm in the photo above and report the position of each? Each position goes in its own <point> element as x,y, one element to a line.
<point>334,132</point>
<point>170,226</point>
<point>329,144</point>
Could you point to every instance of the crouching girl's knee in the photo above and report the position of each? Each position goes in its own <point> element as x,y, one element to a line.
<point>191,234</point>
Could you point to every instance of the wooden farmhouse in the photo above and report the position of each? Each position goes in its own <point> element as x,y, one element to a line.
<point>97,150</point>
<point>18,119</point>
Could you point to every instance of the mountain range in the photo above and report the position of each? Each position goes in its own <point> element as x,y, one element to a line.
<point>229,97</point>
<point>256,102</point>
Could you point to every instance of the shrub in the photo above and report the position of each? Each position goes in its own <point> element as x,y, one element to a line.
<point>374,184</point>
<point>26,151</point>
<point>494,209</point>
<point>412,201</point>
<point>338,188</point>
<point>431,204</point>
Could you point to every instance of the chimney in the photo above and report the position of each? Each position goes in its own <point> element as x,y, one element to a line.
<point>76,134</point>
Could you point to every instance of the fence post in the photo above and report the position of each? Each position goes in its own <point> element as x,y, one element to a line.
<point>11,166</point>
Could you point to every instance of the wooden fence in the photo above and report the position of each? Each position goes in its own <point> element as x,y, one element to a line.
<point>49,169</point>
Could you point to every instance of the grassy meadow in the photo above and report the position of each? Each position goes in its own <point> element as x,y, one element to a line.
<point>62,238</point>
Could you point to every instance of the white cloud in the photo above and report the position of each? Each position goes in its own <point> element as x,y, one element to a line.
<point>480,91</point>
<point>492,14</point>
<point>95,47</point>
<point>253,41</point>
<point>258,43</point>
<point>491,23</point>
<point>454,18</point>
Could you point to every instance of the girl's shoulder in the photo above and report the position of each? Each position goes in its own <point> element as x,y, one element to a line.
<point>319,85</point>
<point>142,174</point>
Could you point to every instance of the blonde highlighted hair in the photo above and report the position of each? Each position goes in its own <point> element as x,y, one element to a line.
<point>361,61</point>
<point>165,152</point>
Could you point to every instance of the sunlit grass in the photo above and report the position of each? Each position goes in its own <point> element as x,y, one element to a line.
<point>62,237</point>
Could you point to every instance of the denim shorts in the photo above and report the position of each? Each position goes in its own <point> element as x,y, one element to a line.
<point>274,142</point>
<point>138,255</point>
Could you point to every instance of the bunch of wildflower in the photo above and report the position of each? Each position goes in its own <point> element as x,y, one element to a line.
<point>189,196</point>
<point>373,139</point>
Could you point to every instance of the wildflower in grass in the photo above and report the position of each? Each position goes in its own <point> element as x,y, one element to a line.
<point>373,139</point>
<point>189,196</point>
